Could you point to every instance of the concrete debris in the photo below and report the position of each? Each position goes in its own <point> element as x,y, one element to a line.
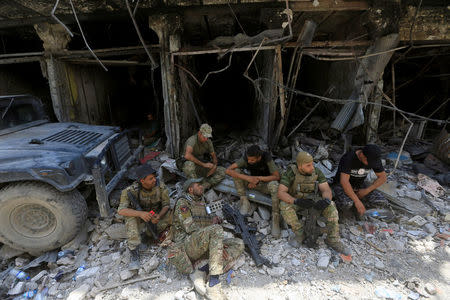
<point>430,185</point>
<point>39,275</point>
<point>430,228</point>
<point>264,213</point>
<point>417,221</point>
<point>19,288</point>
<point>416,195</point>
<point>117,231</point>
<point>211,196</point>
<point>276,271</point>
<point>126,274</point>
<point>324,260</point>
<point>150,265</point>
<point>20,262</point>
<point>430,288</point>
<point>79,293</point>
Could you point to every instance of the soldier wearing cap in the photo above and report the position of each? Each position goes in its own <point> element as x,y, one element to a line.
<point>197,165</point>
<point>151,197</point>
<point>349,186</point>
<point>295,186</point>
<point>196,234</point>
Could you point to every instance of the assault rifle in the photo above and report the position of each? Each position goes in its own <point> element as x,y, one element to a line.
<point>312,231</point>
<point>240,227</point>
<point>150,226</point>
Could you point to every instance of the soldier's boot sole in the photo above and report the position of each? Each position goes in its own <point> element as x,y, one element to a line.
<point>198,279</point>
<point>276,232</point>
<point>244,208</point>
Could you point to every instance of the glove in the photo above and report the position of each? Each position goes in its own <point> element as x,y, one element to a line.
<point>322,204</point>
<point>304,203</point>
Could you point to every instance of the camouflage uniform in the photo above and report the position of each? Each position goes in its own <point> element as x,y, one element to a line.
<point>154,200</point>
<point>299,187</point>
<point>373,199</point>
<point>193,170</point>
<point>194,236</point>
<point>269,188</point>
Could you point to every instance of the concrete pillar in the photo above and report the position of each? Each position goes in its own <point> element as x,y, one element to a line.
<point>168,28</point>
<point>55,39</point>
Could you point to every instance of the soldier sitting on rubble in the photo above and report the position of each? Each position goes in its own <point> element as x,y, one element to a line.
<point>264,176</point>
<point>349,185</point>
<point>296,186</point>
<point>155,203</point>
<point>196,235</point>
<point>196,165</point>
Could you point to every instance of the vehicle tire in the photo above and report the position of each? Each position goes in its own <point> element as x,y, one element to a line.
<point>35,217</point>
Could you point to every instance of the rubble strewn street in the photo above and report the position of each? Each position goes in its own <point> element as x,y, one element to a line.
<point>398,253</point>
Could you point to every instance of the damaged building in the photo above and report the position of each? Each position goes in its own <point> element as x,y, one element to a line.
<point>269,68</point>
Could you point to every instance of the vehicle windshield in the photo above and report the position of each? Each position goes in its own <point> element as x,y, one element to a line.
<point>14,113</point>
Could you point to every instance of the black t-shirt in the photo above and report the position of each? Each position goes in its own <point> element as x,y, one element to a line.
<point>350,164</point>
<point>265,167</point>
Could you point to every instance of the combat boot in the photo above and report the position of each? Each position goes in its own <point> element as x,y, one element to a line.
<point>198,278</point>
<point>297,240</point>
<point>337,246</point>
<point>245,206</point>
<point>215,292</point>
<point>135,262</point>
<point>276,232</point>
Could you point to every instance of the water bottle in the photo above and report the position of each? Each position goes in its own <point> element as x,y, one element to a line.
<point>29,294</point>
<point>42,295</point>
<point>19,274</point>
<point>79,270</point>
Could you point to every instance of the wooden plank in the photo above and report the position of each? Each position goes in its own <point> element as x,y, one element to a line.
<point>282,96</point>
<point>79,102</point>
<point>326,5</point>
<point>88,75</point>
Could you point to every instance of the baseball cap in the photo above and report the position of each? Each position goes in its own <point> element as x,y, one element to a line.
<point>189,182</point>
<point>143,171</point>
<point>304,158</point>
<point>206,130</point>
<point>373,154</point>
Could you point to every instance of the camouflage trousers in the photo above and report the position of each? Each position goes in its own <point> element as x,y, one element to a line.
<point>344,202</point>
<point>209,242</point>
<point>135,226</point>
<point>268,188</point>
<point>192,170</point>
<point>290,216</point>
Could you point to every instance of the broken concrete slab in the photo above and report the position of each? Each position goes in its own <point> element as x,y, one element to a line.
<point>417,221</point>
<point>227,187</point>
<point>430,185</point>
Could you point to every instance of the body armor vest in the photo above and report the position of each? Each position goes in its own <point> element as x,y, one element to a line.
<point>302,184</point>
<point>199,214</point>
<point>149,200</point>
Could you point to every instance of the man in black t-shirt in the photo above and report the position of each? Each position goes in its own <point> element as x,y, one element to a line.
<point>264,176</point>
<point>349,185</point>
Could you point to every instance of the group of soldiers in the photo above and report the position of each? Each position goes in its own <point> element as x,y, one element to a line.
<point>195,233</point>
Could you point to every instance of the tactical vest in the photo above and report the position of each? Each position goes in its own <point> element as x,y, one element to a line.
<point>149,200</point>
<point>303,184</point>
<point>199,214</point>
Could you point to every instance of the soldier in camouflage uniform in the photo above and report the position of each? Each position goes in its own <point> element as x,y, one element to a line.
<point>197,234</point>
<point>151,197</point>
<point>196,165</point>
<point>264,176</point>
<point>295,185</point>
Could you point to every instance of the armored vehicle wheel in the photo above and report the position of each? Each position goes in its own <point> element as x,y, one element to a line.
<point>35,217</point>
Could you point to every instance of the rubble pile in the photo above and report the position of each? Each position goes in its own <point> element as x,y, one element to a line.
<point>398,253</point>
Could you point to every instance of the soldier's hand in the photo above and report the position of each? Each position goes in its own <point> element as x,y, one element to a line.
<point>209,165</point>
<point>211,171</point>
<point>362,193</point>
<point>146,216</point>
<point>360,208</point>
<point>155,219</point>
<point>253,180</point>
<point>251,186</point>
<point>322,204</point>
<point>217,220</point>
